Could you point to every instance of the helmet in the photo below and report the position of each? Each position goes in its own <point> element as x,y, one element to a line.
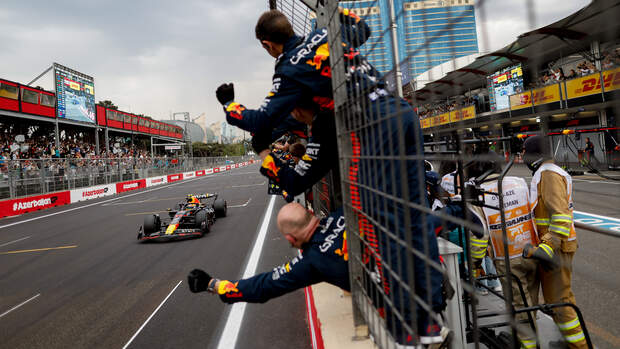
<point>192,199</point>
<point>535,152</point>
<point>488,162</point>
<point>432,179</point>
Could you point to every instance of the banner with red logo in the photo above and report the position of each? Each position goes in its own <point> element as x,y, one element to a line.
<point>209,171</point>
<point>227,167</point>
<point>16,207</point>
<point>95,192</point>
<point>152,181</point>
<point>444,118</point>
<point>543,95</point>
<point>591,84</point>
<point>200,173</point>
<point>216,169</point>
<point>130,185</point>
<point>175,177</point>
<point>187,175</point>
<point>463,114</point>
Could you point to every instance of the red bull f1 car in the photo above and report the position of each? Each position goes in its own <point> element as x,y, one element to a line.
<point>193,218</point>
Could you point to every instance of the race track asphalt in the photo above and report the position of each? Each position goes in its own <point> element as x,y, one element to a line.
<point>98,286</point>
<point>99,293</point>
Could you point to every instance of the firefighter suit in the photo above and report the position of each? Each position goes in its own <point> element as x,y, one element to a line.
<point>552,203</point>
<point>520,231</point>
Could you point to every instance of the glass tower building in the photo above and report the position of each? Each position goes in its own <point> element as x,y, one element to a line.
<point>429,32</point>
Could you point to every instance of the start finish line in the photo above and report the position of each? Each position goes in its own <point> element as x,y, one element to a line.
<point>597,221</point>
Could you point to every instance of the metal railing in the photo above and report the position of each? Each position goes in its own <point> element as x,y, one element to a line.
<point>23,177</point>
<point>393,254</point>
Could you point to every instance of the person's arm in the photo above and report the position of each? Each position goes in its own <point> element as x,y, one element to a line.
<point>355,30</point>
<point>262,287</point>
<point>555,197</point>
<point>278,104</point>
<point>313,166</point>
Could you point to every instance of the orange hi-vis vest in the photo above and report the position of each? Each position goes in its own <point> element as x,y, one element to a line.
<point>556,222</point>
<point>520,228</point>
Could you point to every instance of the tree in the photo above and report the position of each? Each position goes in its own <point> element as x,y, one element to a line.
<point>215,149</point>
<point>107,104</point>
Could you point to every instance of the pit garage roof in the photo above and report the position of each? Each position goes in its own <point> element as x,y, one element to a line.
<point>595,22</point>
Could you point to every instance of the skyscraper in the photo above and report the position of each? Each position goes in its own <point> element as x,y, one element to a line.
<point>429,32</point>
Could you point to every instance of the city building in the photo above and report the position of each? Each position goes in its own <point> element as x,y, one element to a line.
<point>429,33</point>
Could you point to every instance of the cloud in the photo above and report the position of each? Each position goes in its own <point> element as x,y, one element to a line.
<point>500,22</point>
<point>152,57</point>
<point>156,57</point>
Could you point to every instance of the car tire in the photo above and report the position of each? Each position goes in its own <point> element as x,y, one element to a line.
<point>202,222</point>
<point>220,207</point>
<point>151,224</point>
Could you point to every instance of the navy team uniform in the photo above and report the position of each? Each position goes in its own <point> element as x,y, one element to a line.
<point>320,157</point>
<point>323,259</point>
<point>303,77</point>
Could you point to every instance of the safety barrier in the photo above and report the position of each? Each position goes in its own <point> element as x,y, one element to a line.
<point>23,205</point>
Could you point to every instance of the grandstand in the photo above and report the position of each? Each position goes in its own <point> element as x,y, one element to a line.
<point>548,80</point>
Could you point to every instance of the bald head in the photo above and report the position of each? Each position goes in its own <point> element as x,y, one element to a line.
<point>296,223</point>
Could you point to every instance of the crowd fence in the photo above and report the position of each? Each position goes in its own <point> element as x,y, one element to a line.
<point>381,186</point>
<point>25,177</point>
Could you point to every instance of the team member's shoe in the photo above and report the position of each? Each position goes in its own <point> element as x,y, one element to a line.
<point>436,337</point>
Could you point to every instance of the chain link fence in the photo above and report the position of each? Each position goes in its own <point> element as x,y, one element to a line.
<point>24,177</point>
<point>471,126</point>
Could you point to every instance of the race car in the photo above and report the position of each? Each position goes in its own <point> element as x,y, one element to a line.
<point>194,218</point>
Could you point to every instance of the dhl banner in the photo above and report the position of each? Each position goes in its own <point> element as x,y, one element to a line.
<point>520,100</point>
<point>463,114</point>
<point>543,95</point>
<point>444,118</point>
<point>434,121</point>
<point>591,84</point>
<point>426,123</point>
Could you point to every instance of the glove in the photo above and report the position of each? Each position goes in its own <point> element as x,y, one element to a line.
<point>225,93</point>
<point>261,141</point>
<point>270,167</point>
<point>287,197</point>
<point>198,280</point>
<point>543,253</point>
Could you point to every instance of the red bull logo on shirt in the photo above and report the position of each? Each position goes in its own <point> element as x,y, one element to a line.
<point>235,110</point>
<point>321,54</point>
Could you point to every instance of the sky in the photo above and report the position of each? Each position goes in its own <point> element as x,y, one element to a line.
<point>156,57</point>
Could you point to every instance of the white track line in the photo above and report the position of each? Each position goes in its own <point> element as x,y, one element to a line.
<point>248,185</point>
<point>147,320</point>
<point>14,241</point>
<point>228,339</point>
<point>103,202</point>
<point>244,205</point>
<point>20,304</point>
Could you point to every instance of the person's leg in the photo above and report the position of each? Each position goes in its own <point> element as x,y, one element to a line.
<point>556,285</point>
<point>523,272</point>
<point>489,269</point>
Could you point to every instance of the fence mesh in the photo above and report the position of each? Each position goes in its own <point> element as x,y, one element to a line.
<point>468,127</point>
<point>22,177</point>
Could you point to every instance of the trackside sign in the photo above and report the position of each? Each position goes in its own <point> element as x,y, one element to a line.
<point>130,185</point>
<point>175,177</point>
<point>89,193</point>
<point>33,203</point>
<point>156,181</point>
